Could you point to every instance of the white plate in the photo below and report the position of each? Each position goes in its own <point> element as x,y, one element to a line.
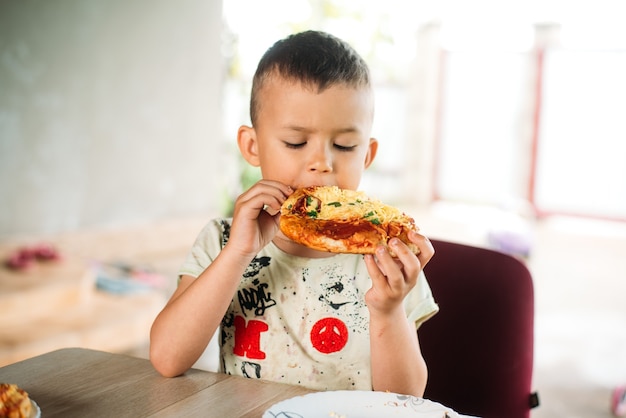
<point>361,404</point>
<point>35,412</point>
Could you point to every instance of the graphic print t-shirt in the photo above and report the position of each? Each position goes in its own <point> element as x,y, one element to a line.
<point>299,320</point>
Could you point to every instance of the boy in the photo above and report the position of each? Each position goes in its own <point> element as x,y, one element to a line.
<point>286,312</point>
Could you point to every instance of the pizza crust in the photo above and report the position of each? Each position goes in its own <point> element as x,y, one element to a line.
<point>327,218</point>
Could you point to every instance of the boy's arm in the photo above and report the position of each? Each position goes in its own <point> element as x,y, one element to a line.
<point>396,360</point>
<point>183,329</point>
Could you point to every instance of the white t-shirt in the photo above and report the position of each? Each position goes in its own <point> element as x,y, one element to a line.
<point>299,320</point>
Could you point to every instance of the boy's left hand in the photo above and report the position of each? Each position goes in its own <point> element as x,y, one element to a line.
<point>394,277</point>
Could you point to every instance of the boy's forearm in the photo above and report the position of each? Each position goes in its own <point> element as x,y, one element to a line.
<point>184,328</point>
<point>397,362</point>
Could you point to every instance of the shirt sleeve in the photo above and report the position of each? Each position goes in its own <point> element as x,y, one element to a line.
<point>419,304</point>
<point>204,250</point>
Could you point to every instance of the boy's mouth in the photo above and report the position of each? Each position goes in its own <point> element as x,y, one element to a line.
<point>310,185</point>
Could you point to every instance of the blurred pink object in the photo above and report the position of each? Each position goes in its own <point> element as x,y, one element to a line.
<point>618,401</point>
<point>25,257</point>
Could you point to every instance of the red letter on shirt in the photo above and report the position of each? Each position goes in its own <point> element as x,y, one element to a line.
<point>248,338</point>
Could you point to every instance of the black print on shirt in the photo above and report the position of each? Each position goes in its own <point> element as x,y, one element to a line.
<point>255,298</point>
<point>249,369</point>
<point>330,292</point>
<point>228,321</point>
<point>255,266</point>
<point>225,231</point>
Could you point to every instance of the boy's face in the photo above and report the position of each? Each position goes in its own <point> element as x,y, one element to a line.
<point>305,138</point>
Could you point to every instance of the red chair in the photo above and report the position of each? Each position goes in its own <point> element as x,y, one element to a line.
<point>479,347</point>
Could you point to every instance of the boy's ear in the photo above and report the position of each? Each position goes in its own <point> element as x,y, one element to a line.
<point>371,152</point>
<point>248,146</point>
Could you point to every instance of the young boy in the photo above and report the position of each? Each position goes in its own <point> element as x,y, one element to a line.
<point>288,313</point>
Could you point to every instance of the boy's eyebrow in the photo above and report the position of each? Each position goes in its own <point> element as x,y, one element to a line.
<point>297,128</point>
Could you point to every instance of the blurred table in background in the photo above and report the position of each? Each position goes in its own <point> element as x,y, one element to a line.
<point>56,304</point>
<point>52,304</point>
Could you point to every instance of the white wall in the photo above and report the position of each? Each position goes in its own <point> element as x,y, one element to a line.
<point>109,112</point>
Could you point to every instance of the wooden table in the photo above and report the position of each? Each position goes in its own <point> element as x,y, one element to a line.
<point>77,382</point>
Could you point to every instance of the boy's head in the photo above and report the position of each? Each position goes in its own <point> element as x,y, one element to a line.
<point>312,110</point>
<point>318,60</point>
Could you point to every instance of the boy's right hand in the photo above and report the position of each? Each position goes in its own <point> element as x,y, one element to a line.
<point>256,216</point>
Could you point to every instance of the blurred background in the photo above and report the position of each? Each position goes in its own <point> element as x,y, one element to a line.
<point>501,124</point>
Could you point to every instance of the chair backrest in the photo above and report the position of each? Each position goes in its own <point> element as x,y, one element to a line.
<point>479,347</point>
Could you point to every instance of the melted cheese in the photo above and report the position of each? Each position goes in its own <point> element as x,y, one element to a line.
<point>335,203</point>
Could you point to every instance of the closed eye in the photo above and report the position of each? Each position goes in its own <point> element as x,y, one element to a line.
<point>344,148</point>
<point>298,145</point>
<point>294,145</point>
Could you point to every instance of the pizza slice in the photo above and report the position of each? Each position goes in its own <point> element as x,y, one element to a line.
<point>327,218</point>
<point>14,401</point>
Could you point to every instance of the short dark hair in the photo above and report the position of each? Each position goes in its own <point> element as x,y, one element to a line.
<point>316,59</point>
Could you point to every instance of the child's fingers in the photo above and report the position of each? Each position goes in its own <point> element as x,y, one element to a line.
<point>407,262</point>
<point>377,276</point>
<point>265,195</point>
<point>425,246</point>
<point>274,196</point>
<point>391,268</point>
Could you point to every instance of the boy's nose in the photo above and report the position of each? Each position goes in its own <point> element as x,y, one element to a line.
<point>321,162</point>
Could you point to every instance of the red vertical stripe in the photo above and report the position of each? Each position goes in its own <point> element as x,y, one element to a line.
<point>532,181</point>
<point>438,127</point>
